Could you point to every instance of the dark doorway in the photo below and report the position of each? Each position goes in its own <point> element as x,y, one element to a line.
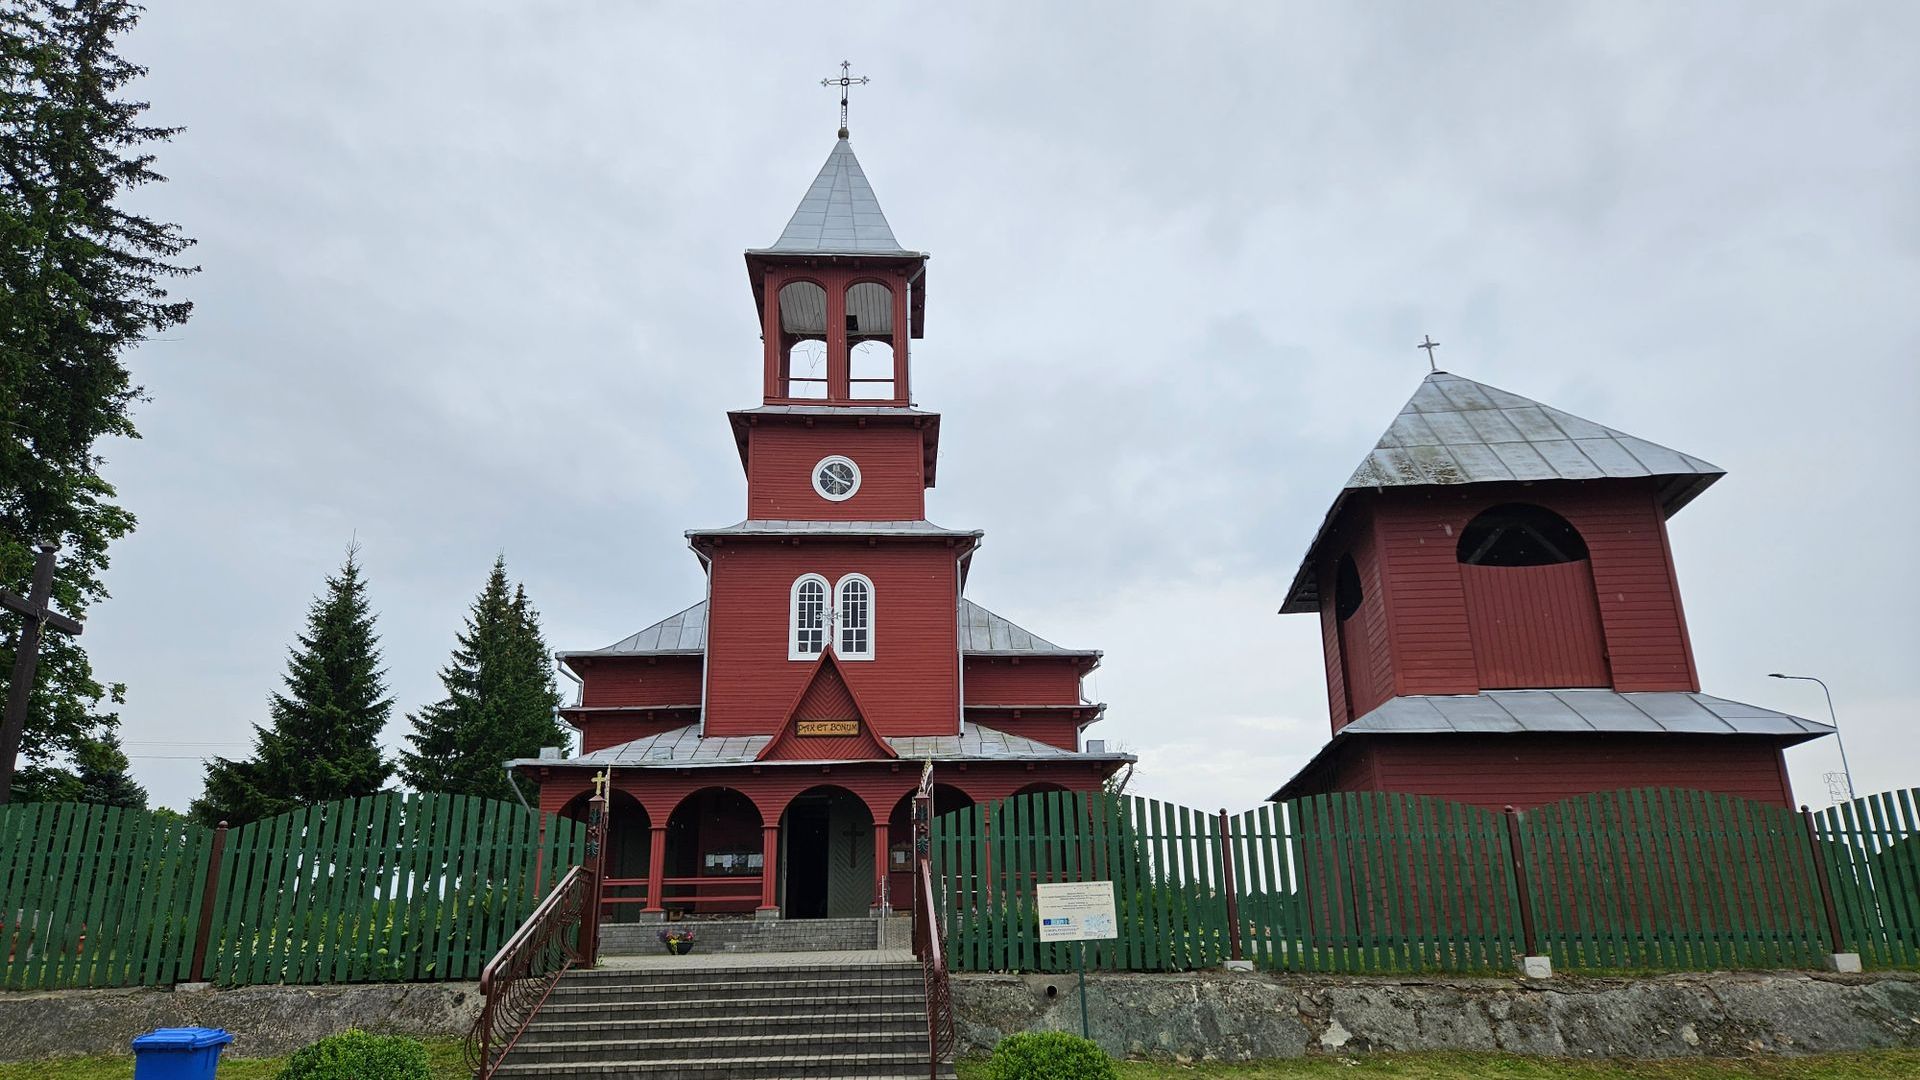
<point>808,841</point>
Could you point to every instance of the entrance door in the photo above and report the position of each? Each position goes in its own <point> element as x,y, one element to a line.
<point>808,842</point>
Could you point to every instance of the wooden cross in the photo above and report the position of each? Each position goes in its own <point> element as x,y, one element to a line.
<point>1429,345</point>
<point>600,783</point>
<point>37,616</point>
<point>843,82</point>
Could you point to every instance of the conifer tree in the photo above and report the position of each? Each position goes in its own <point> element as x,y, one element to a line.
<point>323,742</point>
<point>81,282</point>
<point>499,699</point>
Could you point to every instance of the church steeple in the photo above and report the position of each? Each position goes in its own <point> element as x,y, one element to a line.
<point>838,296</point>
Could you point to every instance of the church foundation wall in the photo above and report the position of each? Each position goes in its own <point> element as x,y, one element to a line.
<point>1237,1017</point>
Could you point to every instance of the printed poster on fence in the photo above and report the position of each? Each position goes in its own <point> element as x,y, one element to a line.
<point>1078,911</point>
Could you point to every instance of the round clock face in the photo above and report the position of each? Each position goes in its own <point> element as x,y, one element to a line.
<point>836,478</point>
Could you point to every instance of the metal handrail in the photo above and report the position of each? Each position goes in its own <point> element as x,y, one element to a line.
<point>926,932</point>
<point>517,981</point>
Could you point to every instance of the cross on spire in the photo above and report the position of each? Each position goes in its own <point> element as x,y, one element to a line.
<point>845,80</point>
<point>1429,344</point>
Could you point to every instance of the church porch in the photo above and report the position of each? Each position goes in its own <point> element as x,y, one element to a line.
<point>792,841</point>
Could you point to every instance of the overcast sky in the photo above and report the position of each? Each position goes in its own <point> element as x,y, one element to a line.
<point>473,284</point>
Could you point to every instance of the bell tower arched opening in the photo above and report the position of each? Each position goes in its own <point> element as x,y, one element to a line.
<point>1531,605</point>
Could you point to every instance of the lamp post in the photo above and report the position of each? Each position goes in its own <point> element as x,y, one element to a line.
<point>1842,743</point>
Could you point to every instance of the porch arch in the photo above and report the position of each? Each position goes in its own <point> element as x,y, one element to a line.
<point>829,837</point>
<point>715,859</point>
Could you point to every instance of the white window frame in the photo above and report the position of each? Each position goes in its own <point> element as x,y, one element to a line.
<point>814,477</point>
<point>839,605</point>
<point>794,651</point>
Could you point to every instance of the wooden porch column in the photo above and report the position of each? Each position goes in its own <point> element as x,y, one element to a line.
<point>881,901</point>
<point>656,868</point>
<point>769,870</point>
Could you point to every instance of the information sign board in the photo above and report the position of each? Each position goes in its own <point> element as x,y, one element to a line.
<point>1078,911</point>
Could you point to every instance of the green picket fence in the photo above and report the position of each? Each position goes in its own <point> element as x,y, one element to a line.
<point>387,887</point>
<point>1381,882</point>
<point>97,895</point>
<point>1870,850</point>
<point>1170,891</point>
<point>1357,882</point>
<point>1673,879</point>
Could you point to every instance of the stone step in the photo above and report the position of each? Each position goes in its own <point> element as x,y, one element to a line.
<point>746,936</point>
<point>857,999</point>
<point>568,992</point>
<point>828,1066</point>
<point>841,1023</point>
<point>773,1048</point>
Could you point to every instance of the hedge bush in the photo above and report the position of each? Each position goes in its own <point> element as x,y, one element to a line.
<point>1049,1055</point>
<point>357,1055</point>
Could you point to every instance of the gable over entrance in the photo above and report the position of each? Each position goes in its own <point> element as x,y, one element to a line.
<point>826,722</point>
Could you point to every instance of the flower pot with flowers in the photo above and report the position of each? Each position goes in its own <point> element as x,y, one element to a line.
<point>678,940</point>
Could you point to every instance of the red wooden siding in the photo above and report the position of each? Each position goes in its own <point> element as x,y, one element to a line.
<point>909,687</point>
<point>600,732</point>
<point>780,461</point>
<point>1047,727</point>
<point>827,697</point>
<point>1419,638</point>
<point>1003,681</point>
<point>1530,770</point>
<point>1535,626</point>
<point>1359,651</point>
<point>640,681</point>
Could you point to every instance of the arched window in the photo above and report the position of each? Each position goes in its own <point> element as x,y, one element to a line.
<point>1347,596</point>
<point>853,614</point>
<point>803,332</point>
<point>870,341</point>
<point>1520,534</point>
<point>809,624</point>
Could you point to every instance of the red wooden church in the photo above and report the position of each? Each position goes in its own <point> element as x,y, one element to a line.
<point>763,743</point>
<point>1501,620</point>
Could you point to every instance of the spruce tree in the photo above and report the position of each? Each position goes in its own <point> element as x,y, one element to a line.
<point>80,284</point>
<point>323,742</point>
<point>499,699</point>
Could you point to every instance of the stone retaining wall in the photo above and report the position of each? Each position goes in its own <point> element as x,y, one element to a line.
<point>1231,1017</point>
<point>266,1021</point>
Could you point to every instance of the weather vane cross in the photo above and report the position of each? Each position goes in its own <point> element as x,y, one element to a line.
<point>846,79</point>
<point>1429,344</point>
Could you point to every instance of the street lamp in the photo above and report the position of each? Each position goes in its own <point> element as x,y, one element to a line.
<point>1844,767</point>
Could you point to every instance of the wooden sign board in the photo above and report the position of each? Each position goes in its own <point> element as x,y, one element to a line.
<point>826,727</point>
<point>1078,911</point>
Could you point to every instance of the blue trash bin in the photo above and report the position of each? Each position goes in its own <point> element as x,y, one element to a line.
<point>178,1053</point>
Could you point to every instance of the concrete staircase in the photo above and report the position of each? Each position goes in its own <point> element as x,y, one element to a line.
<point>849,1016</point>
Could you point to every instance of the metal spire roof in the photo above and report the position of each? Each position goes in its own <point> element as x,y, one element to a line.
<point>840,214</point>
<point>1458,431</point>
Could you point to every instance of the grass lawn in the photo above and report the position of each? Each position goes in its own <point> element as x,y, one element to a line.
<point>1508,1067</point>
<point>444,1053</point>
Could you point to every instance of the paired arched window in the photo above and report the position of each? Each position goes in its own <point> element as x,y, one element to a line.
<point>853,616</point>
<point>848,618</point>
<point>809,623</point>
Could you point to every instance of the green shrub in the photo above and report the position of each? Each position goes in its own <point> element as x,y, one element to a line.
<point>357,1055</point>
<point>1049,1055</point>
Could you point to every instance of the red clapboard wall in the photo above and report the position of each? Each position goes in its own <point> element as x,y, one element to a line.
<point>751,684</point>
<point>1535,626</point>
<point>1528,770</point>
<point>781,457</point>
